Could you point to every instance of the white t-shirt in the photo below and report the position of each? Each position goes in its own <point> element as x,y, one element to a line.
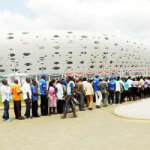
<point>59,93</point>
<point>117,86</point>
<point>129,81</point>
<point>84,84</point>
<point>26,88</point>
<point>5,91</point>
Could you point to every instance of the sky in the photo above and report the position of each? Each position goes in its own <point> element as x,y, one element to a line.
<point>128,18</point>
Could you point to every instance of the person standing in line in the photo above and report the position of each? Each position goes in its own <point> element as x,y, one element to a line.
<point>134,88</point>
<point>97,91</point>
<point>89,94</point>
<point>5,93</point>
<point>148,88</point>
<point>121,90</point>
<point>80,91</point>
<point>130,87</point>
<point>69,97</point>
<point>84,82</point>
<point>26,89</point>
<point>52,96</point>
<point>59,94</point>
<point>111,89</point>
<point>117,92</point>
<point>104,89</point>
<point>126,88</point>
<point>16,92</point>
<point>44,95</point>
<point>35,98</point>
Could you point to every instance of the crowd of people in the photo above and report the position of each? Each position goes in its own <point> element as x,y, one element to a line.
<point>62,96</point>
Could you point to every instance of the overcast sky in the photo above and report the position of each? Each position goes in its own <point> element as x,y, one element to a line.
<point>129,18</point>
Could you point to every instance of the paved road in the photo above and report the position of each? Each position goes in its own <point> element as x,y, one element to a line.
<point>99,129</point>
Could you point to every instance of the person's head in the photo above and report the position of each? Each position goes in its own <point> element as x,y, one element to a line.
<point>51,83</point>
<point>114,77</point>
<point>84,79</point>
<point>59,81</point>
<point>104,79</point>
<point>69,78</point>
<point>100,80</point>
<point>129,77</point>
<point>43,76</point>
<point>111,78</point>
<point>34,82</point>
<point>133,79</point>
<point>4,82</point>
<point>28,80</point>
<point>125,79</point>
<point>96,76</point>
<point>118,78</point>
<point>16,81</point>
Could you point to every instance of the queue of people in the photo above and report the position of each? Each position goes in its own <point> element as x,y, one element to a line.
<point>62,96</point>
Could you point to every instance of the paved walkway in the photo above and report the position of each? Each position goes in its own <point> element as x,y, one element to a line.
<point>99,129</point>
<point>138,110</point>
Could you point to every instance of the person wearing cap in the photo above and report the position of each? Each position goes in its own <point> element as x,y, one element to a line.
<point>97,91</point>
<point>44,95</point>
<point>111,89</point>
<point>104,89</point>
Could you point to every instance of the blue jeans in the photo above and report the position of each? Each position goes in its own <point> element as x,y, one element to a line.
<point>27,113</point>
<point>81,100</point>
<point>6,110</point>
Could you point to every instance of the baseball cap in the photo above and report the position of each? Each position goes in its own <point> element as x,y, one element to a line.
<point>114,77</point>
<point>43,75</point>
<point>96,76</point>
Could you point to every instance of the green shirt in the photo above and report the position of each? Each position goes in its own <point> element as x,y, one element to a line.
<point>103,87</point>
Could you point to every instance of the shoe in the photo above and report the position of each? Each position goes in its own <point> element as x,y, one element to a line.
<point>98,106</point>
<point>63,117</point>
<point>36,116</point>
<point>29,118</point>
<point>82,109</point>
<point>90,108</point>
<point>21,118</point>
<point>74,116</point>
<point>8,120</point>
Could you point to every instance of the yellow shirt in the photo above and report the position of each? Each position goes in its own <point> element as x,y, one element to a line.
<point>15,89</point>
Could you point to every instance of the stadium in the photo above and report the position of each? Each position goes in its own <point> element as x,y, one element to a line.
<point>59,53</point>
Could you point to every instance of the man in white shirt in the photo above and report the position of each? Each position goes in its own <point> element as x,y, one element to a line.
<point>26,89</point>
<point>118,94</point>
<point>129,81</point>
<point>59,95</point>
<point>5,92</point>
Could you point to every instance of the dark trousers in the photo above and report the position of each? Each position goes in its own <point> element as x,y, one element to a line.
<point>81,101</point>
<point>111,97</point>
<point>69,101</point>
<point>34,108</point>
<point>118,96</point>
<point>6,110</point>
<point>52,109</point>
<point>27,113</point>
<point>44,105</point>
<point>17,109</point>
<point>60,106</point>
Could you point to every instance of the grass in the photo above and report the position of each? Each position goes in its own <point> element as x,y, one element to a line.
<point>11,101</point>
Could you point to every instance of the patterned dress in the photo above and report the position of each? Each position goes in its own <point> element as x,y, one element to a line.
<point>52,97</point>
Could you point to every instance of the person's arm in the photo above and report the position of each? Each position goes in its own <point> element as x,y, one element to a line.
<point>18,90</point>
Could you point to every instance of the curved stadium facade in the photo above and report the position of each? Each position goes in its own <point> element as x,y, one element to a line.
<point>61,52</point>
